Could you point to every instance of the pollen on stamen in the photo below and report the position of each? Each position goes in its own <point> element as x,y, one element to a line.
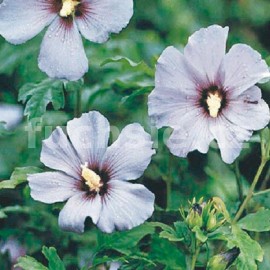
<point>68,7</point>
<point>92,180</point>
<point>214,104</point>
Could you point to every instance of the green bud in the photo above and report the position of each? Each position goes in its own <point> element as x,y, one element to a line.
<point>223,260</point>
<point>194,217</point>
<point>211,222</point>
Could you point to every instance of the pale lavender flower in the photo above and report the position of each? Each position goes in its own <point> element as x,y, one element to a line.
<point>11,114</point>
<point>94,177</point>
<point>205,94</point>
<point>14,249</point>
<point>62,54</point>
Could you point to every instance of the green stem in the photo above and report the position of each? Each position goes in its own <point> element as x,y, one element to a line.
<point>239,181</point>
<point>251,190</point>
<point>265,181</point>
<point>195,257</point>
<point>78,105</point>
<point>169,182</point>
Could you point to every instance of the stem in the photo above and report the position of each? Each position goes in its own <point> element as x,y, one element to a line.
<point>169,182</point>
<point>239,181</point>
<point>251,190</point>
<point>195,256</point>
<point>265,181</point>
<point>78,105</point>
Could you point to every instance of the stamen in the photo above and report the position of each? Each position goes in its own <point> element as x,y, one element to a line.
<point>68,7</point>
<point>214,103</point>
<point>92,179</point>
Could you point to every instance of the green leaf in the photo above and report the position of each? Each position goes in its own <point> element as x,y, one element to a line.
<point>257,222</point>
<point>265,142</point>
<point>263,198</point>
<point>19,176</point>
<point>167,253</point>
<point>129,64</point>
<point>38,96</point>
<point>175,235</point>
<point>200,234</point>
<point>55,263</point>
<point>124,241</point>
<point>136,93</point>
<point>29,263</point>
<point>14,209</point>
<point>250,250</point>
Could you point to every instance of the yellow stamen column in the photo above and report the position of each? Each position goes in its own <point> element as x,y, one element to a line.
<point>68,7</point>
<point>214,103</point>
<point>92,179</point>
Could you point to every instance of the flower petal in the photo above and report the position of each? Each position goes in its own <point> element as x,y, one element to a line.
<point>168,106</point>
<point>126,206</point>
<point>242,67</point>
<point>249,110</point>
<point>230,138</point>
<point>99,18</point>
<point>128,157</point>
<point>174,71</point>
<point>21,20</point>
<point>206,49</point>
<point>62,54</point>
<point>51,187</point>
<point>57,153</point>
<point>89,135</point>
<point>77,209</point>
<point>193,134</point>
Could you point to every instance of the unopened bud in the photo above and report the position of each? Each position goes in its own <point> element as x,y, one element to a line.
<point>223,260</point>
<point>194,217</point>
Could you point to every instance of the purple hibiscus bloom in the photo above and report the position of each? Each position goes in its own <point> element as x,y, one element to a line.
<point>93,177</point>
<point>62,54</point>
<point>205,94</point>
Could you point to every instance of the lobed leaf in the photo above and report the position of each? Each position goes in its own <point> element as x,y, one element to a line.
<point>256,222</point>
<point>18,177</point>
<point>38,96</point>
<point>55,263</point>
<point>29,263</point>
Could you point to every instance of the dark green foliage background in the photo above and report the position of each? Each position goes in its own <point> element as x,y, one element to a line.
<point>118,88</point>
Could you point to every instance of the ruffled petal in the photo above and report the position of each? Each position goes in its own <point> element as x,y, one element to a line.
<point>62,53</point>
<point>206,49</point>
<point>193,134</point>
<point>21,20</point>
<point>77,209</point>
<point>128,157</point>
<point>51,187</point>
<point>125,206</point>
<point>175,72</point>
<point>57,153</point>
<point>249,110</point>
<point>242,68</point>
<point>168,106</point>
<point>96,19</point>
<point>89,135</point>
<point>230,138</point>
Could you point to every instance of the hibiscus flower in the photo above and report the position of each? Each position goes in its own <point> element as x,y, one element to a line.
<point>93,177</point>
<point>205,94</point>
<point>62,54</point>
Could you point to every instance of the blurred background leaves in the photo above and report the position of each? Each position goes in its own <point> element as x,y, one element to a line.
<point>120,77</point>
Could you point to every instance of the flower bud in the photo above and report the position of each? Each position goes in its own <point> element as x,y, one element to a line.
<point>194,217</point>
<point>223,260</point>
<point>211,222</point>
